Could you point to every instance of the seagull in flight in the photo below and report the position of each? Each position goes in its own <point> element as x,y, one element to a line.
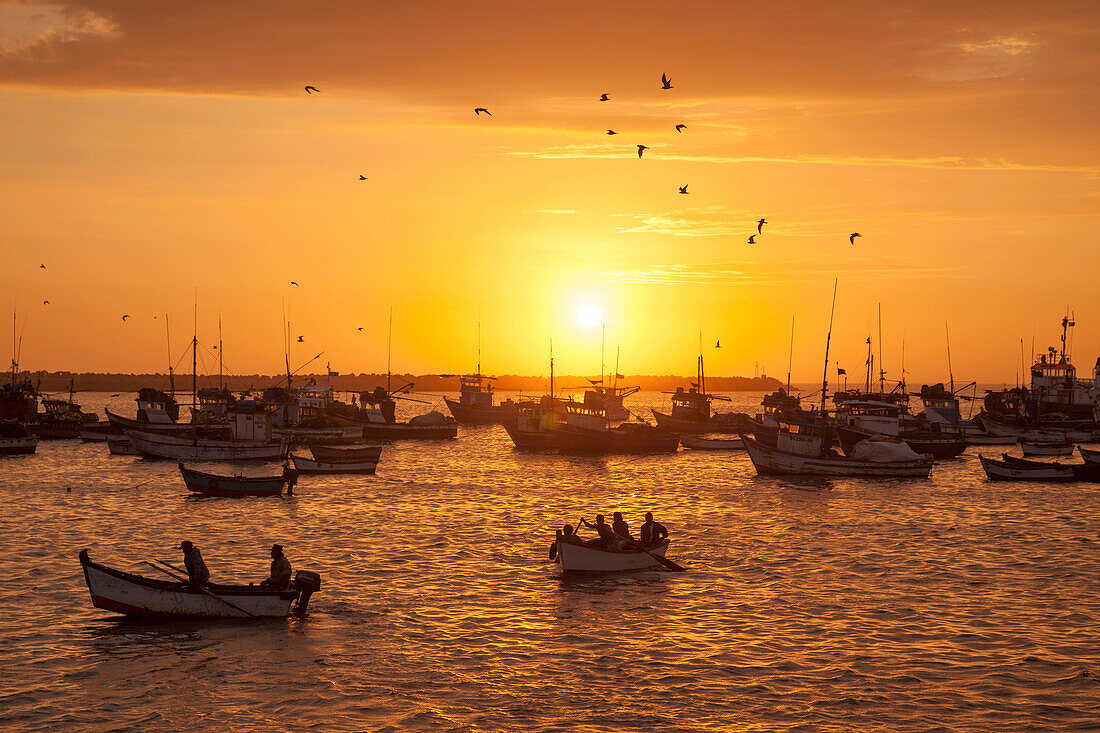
<point>666,82</point>
<point>360,328</point>
<point>760,225</point>
<point>43,267</point>
<point>752,239</point>
<point>362,177</point>
<point>612,132</point>
<point>311,89</point>
<point>604,97</point>
<point>301,339</point>
<point>295,284</point>
<point>642,149</point>
<point>45,302</point>
<point>125,316</point>
<point>681,128</point>
<point>718,344</point>
<point>479,110</point>
<point>852,237</point>
<point>683,189</point>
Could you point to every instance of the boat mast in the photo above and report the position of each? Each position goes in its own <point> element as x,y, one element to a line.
<point>615,381</point>
<point>219,351</point>
<point>881,371</point>
<point>603,340</point>
<point>13,347</point>
<point>479,347</point>
<point>195,360</point>
<point>701,373</point>
<point>950,372</point>
<point>168,341</point>
<point>828,339</point>
<point>790,358</point>
<point>389,351</point>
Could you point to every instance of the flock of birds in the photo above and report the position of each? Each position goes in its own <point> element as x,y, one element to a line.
<point>666,83</point>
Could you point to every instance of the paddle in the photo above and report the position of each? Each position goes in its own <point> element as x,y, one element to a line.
<point>199,587</point>
<point>554,544</point>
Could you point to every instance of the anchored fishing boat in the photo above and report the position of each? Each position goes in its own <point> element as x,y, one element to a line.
<point>337,454</point>
<point>1054,448</point>
<point>1005,470</point>
<point>351,465</point>
<point>474,405</point>
<point>251,440</point>
<point>574,556</point>
<point>858,420</point>
<point>697,443</point>
<point>211,484</point>
<point>1089,455</point>
<point>377,416</point>
<point>135,595</point>
<point>691,412</point>
<point>15,439</point>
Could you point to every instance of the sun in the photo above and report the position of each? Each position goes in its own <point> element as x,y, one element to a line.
<point>589,316</point>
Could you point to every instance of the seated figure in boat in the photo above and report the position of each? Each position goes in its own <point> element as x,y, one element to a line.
<point>281,572</point>
<point>620,527</point>
<point>652,532</point>
<point>607,538</point>
<point>197,572</point>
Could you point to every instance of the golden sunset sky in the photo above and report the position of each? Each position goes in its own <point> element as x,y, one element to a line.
<point>162,154</point>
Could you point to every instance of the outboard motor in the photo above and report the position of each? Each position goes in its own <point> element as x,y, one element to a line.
<point>307,583</point>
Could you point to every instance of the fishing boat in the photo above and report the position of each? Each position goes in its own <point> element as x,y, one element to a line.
<point>15,439</point>
<point>1084,471</point>
<point>97,432</point>
<point>691,410</point>
<point>696,442</point>
<point>250,440</point>
<point>135,595</point>
<point>535,421</point>
<point>799,452</point>
<point>574,556</point>
<point>1090,455</point>
<point>377,417</point>
<point>624,438</point>
<point>338,453</point>
<point>351,465</point>
<point>1004,470</point>
<point>474,405</point>
<point>858,420</point>
<point>779,404</point>
<point>1042,431</point>
<point>121,445</point>
<point>1054,448</point>
<point>210,484</point>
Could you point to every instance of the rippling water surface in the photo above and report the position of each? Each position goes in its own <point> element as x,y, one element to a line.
<point>950,603</point>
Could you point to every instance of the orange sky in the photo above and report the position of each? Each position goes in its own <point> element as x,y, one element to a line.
<point>155,152</point>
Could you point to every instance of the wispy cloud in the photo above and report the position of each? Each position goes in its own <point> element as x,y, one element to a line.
<point>751,273</point>
<point>24,26</point>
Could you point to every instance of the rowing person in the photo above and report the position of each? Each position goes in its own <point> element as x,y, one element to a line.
<point>606,539</point>
<point>197,572</point>
<point>620,527</point>
<point>280,570</point>
<point>652,532</point>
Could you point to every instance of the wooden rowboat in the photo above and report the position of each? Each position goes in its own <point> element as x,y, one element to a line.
<point>576,557</point>
<point>211,484</point>
<point>356,465</point>
<point>697,443</point>
<point>135,595</point>
<point>120,445</point>
<point>1090,455</point>
<point>338,454</point>
<point>1060,448</point>
<point>1016,471</point>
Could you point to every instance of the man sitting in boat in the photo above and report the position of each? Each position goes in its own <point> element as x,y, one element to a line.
<point>197,572</point>
<point>280,570</point>
<point>606,539</point>
<point>652,532</point>
<point>620,527</point>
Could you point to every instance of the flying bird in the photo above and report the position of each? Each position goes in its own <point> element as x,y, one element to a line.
<point>681,128</point>
<point>45,302</point>
<point>301,339</point>
<point>125,316</point>
<point>852,237</point>
<point>683,189</point>
<point>666,82</point>
<point>760,225</point>
<point>362,177</point>
<point>752,239</point>
<point>43,267</point>
<point>479,110</point>
<point>311,89</point>
<point>612,132</point>
<point>295,284</point>
<point>642,149</point>
<point>718,344</point>
<point>604,97</point>
<point>360,328</point>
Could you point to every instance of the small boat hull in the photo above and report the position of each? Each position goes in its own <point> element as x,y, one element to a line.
<point>209,484</point>
<point>134,595</point>
<point>627,438</point>
<point>120,445</point>
<point>697,443</point>
<point>1047,449</point>
<point>97,432</point>
<point>171,447</point>
<point>1091,456</point>
<point>18,446</point>
<point>481,415</point>
<point>770,461</point>
<point>339,454</point>
<point>938,448</point>
<point>307,466</point>
<point>990,440</point>
<point>575,557</point>
<point>1012,471</point>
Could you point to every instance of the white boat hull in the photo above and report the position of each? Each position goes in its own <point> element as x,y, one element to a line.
<point>772,461</point>
<point>120,445</point>
<point>134,595</point>
<point>581,558</point>
<point>306,465</point>
<point>1002,471</point>
<point>691,441</point>
<point>1039,449</point>
<point>170,447</point>
<point>1034,435</point>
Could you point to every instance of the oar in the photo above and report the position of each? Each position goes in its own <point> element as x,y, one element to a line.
<point>659,558</point>
<point>200,588</point>
<point>554,544</point>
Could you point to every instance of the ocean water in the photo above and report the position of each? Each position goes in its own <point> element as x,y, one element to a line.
<point>952,603</point>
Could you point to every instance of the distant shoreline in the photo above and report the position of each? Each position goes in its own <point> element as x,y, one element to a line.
<point>107,382</point>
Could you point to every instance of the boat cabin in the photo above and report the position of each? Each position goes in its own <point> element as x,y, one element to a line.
<point>691,404</point>
<point>604,398</point>
<point>776,405</point>
<point>475,390</point>
<point>250,420</point>
<point>378,406</point>
<point>156,407</point>
<point>806,440</point>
